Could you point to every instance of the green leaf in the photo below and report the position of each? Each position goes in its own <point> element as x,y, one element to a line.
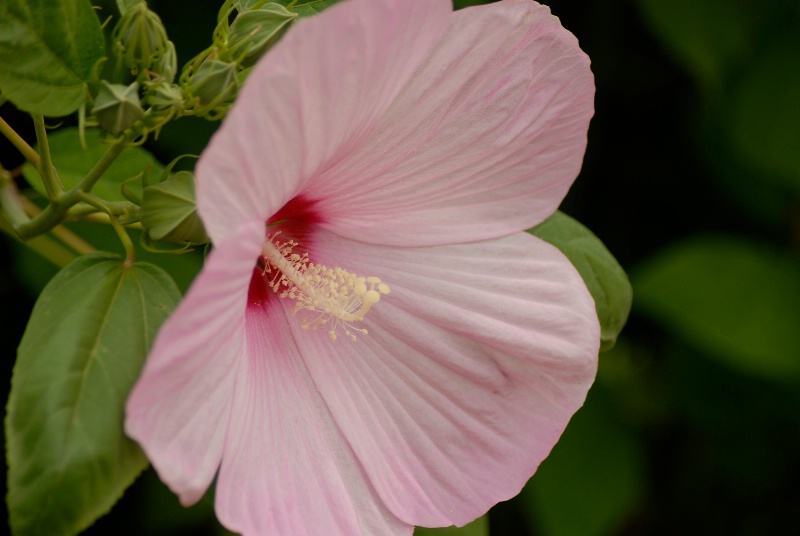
<point>306,8</point>
<point>73,162</point>
<point>479,527</point>
<point>604,277</point>
<point>710,36</point>
<point>736,300</point>
<point>765,115</point>
<point>69,460</point>
<point>47,50</point>
<point>592,481</point>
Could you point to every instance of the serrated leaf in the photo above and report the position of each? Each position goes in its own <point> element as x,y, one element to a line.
<point>604,277</point>
<point>47,50</point>
<point>72,162</point>
<point>479,527</point>
<point>592,481</point>
<point>306,8</point>
<point>69,460</point>
<point>736,300</point>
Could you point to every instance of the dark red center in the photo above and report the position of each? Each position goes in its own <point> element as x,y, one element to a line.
<point>296,220</point>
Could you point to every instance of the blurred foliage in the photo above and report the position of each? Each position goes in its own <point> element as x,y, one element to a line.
<point>692,180</point>
<point>730,298</point>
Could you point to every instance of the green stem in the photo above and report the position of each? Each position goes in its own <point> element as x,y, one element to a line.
<point>117,208</point>
<point>69,238</point>
<point>21,145</point>
<point>102,165</point>
<point>52,184</point>
<point>127,243</point>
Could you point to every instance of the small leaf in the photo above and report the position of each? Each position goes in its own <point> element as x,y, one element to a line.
<point>86,341</point>
<point>47,50</point>
<point>479,527</point>
<point>604,277</point>
<point>592,481</point>
<point>306,8</point>
<point>73,162</point>
<point>736,300</point>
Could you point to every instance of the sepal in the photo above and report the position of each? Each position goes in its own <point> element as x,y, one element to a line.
<point>169,212</point>
<point>117,107</point>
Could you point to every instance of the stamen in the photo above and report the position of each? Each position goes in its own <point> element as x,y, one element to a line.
<point>335,297</point>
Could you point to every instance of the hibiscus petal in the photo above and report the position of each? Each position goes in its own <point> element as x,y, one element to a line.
<point>313,96</point>
<point>484,140</point>
<point>472,368</point>
<point>286,468</point>
<point>179,407</point>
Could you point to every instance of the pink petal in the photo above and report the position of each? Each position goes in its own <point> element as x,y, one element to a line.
<point>312,98</point>
<point>472,368</point>
<point>484,140</point>
<point>286,468</point>
<point>178,409</point>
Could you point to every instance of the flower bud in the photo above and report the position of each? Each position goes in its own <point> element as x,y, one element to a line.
<point>162,96</point>
<point>117,107</point>
<point>139,37</point>
<point>244,5</point>
<point>214,83</point>
<point>255,31</point>
<point>167,65</point>
<point>169,212</point>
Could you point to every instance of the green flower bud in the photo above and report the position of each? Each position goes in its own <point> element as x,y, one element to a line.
<point>169,212</point>
<point>167,65</point>
<point>244,5</point>
<point>166,102</point>
<point>117,107</point>
<point>163,96</point>
<point>212,85</point>
<point>139,37</point>
<point>255,31</point>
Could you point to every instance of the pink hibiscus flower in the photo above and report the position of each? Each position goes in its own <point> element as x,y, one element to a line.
<point>397,140</point>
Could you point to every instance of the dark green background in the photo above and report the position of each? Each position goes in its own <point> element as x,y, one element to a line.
<point>692,179</point>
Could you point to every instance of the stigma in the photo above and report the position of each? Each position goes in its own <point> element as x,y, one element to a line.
<point>327,298</point>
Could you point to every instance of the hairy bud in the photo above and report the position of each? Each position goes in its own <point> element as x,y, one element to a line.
<point>166,66</point>
<point>140,39</point>
<point>254,31</point>
<point>214,83</point>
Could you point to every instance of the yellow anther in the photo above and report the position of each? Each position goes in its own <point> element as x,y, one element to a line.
<point>327,293</point>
